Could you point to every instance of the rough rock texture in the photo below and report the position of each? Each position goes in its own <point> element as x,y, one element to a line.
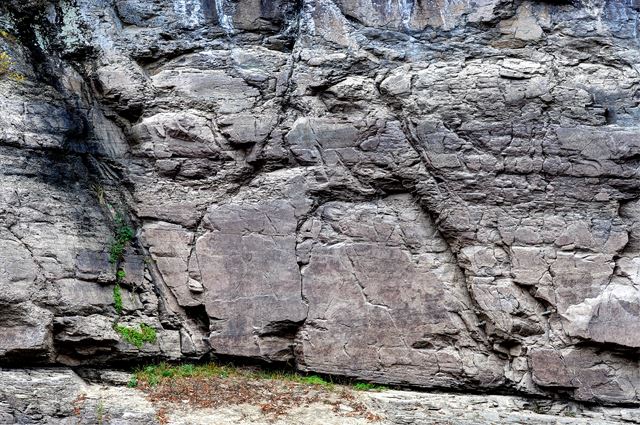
<point>61,397</point>
<point>442,194</point>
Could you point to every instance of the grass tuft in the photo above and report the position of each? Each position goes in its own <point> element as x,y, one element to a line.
<point>153,374</point>
<point>135,337</point>
<point>117,298</point>
<point>366,386</point>
<point>133,382</point>
<point>6,62</point>
<point>120,275</point>
<point>313,380</point>
<point>158,372</point>
<point>123,235</point>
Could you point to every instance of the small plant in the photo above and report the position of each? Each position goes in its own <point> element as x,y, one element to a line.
<point>155,374</point>
<point>100,412</point>
<point>117,292</point>
<point>315,380</point>
<point>133,382</point>
<point>186,370</point>
<point>366,386</point>
<point>6,63</point>
<point>135,337</point>
<point>117,298</point>
<point>7,36</point>
<point>159,372</point>
<point>153,380</point>
<point>17,77</point>
<point>120,275</point>
<point>99,191</point>
<point>123,235</point>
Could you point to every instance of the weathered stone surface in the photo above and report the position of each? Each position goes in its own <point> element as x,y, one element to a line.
<point>586,372</point>
<point>247,261</point>
<point>441,194</point>
<point>401,407</point>
<point>61,397</point>
<point>387,301</point>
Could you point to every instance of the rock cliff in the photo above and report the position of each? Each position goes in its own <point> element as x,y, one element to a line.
<point>443,194</point>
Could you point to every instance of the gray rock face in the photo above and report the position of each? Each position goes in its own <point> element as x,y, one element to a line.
<point>443,195</point>
<point>61,397</point>
<point>386,298</point>
<point>247,262</point>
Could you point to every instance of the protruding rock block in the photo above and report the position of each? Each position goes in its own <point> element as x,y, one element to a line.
<point>247,262</point>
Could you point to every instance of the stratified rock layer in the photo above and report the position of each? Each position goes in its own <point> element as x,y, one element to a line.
<point>61,397</point>
<point>442,195</point>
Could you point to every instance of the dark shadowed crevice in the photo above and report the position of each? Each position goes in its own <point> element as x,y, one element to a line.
<point>286,329</point>
<point>198,314</point>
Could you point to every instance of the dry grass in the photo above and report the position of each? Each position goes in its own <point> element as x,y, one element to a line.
<point>213,386</point>
<point>6,64</point>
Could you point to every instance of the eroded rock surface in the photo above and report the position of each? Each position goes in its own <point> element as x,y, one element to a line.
<point>62,397</point>
<point>443,195</point>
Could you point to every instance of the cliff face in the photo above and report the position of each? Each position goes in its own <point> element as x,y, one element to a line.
<point>436,193</point>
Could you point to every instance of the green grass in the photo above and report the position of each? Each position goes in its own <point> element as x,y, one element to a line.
<point>117,298</point>
<point>120,275</point>
<point>366,386</point>
<point>135,337</point>
<point>123,235</point>
<point>291,377</point>
<point>133,382</point>
<point>154,374</point>
<point>117,291</point>
<point>312,380</point>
